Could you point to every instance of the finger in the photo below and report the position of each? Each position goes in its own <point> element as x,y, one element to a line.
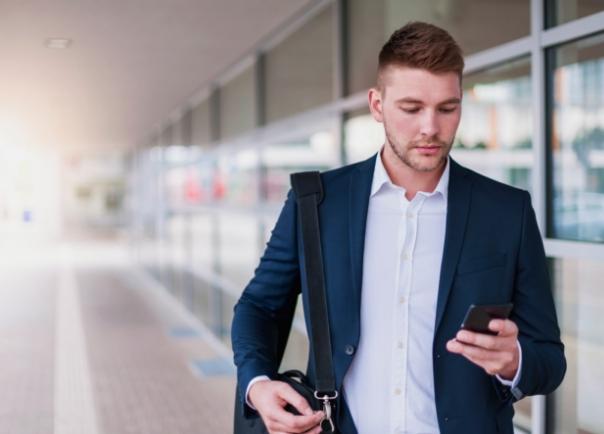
<point>282,420</point>
<point>288,394</point>
<point>503,327</point>
<point>462,350</point>
<point>493,362</point>
<point>315,430</point>
<point>480,340</point>
<point>489,367</point>
<point>470,350</point>
<point>454,347</point>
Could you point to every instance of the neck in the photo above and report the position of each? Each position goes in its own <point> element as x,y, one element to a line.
<point>410,179</point>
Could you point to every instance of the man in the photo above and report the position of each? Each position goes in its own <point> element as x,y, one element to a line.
<point>410,240</point>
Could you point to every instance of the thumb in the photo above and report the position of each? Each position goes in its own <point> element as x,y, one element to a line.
<point>503,327</point>
<point>288,394</point>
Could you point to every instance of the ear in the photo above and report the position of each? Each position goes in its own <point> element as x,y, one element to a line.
<point>375,104</point>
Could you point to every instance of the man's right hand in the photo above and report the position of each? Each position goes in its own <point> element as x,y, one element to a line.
<point>270,398</point>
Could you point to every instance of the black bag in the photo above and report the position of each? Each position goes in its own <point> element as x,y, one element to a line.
<point>309,193</point>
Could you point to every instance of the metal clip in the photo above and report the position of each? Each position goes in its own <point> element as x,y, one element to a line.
<point>327,424</point>
<point>327,419</point>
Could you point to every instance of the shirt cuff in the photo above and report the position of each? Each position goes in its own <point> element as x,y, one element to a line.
<point>512,384</point>
<point>250,384</point>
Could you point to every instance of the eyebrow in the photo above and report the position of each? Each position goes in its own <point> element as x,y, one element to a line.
<point>410,100</point>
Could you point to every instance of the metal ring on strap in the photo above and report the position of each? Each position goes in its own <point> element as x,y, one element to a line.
<point>326,396</point>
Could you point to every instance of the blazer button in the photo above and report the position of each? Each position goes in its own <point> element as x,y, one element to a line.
<point>349,350</point>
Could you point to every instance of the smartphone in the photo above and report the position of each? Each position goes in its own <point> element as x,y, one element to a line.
<point>478,316</point>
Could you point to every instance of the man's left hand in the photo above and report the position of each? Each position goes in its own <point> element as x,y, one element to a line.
<point>497,355</point>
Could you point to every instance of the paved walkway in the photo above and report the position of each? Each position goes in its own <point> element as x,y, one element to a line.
<point>89,345</point>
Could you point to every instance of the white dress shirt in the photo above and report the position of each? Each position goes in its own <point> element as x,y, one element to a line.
<point>389,387</point>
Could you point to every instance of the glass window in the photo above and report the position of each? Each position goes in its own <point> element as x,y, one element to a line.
<point>475,24</point>
<point>522,416</point>
<point>178,133</point>
<point>177,260</point>
<point>203,226</point>
<point>167,136</point>
<point>211,188</point>
<point>296,351</point>
<point>577,140</point>
<point>238,248</point>
<point>576,405</point>
<point>363,135</point>
<point>563,11</point>
<point>225,301</point>
<point>299,71</point>
<point>236,179</point>
<point>238,104</point>
<point>145,207</point>
<point>200,124</point>
<point>214,307</point>
<point>494,136</point>
<point>177,176</point>
<point>202,305</point>
<point>316,150</point>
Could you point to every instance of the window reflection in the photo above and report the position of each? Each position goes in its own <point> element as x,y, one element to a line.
<point>476,24</point>
<point>363,135</point>
<point>580,303</point>
<point>314,151</point>
<point>238,244</point>
<point>577,140</point>
<point>563,11</point>
<point>236,178</point>
<point>494,136</point>
<point>299,70</point>
<point>238,104</point>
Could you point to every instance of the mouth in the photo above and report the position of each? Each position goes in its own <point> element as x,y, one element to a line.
<point>428,150</point>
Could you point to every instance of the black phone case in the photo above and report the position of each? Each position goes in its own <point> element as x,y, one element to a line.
<point>478,316</point>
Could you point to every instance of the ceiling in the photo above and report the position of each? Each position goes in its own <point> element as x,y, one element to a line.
<point>131,64</point>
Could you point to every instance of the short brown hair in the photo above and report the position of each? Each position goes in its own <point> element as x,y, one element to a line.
<point>424,46</point>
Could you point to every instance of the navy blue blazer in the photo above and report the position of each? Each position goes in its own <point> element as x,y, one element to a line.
<point>493,254</point>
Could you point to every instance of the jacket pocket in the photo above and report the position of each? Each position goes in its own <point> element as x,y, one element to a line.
<point>475,263</point>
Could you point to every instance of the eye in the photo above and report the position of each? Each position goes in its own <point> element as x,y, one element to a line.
<point>410,110</point>
<point>447,109</point>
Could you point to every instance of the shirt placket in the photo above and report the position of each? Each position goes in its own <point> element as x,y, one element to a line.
<point>409,224</point>
<point>397,415</point>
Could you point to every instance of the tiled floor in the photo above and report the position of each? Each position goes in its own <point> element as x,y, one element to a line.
<point>89,345</point>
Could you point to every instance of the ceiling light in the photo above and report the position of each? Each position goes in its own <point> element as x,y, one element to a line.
<point>58,43</point>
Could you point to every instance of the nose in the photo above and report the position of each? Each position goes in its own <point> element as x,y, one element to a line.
<point>429,124</point>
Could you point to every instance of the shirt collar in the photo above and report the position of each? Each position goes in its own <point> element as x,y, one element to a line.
<point>381,178</point>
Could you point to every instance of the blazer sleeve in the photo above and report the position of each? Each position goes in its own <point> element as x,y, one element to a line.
<point>543,364</point>
<point>263,315</point>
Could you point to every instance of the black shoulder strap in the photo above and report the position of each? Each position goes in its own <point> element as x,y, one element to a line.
<point>309,193</point>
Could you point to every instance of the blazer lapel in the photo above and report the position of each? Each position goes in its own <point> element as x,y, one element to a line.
<point>460,188</point>
<point>358,202</point>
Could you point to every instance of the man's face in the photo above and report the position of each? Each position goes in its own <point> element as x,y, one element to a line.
<point>420,112</point>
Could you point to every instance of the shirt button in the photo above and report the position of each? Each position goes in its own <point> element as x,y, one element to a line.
<point>397,391</point>
<point>410,215</point>
<point>400,344</point>
<point>349,350</point>
<point>401,299</point>
<point>406,256</point>
<point>438,355</point>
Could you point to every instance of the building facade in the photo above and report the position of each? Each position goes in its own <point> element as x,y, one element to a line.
<point>205,190</point>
